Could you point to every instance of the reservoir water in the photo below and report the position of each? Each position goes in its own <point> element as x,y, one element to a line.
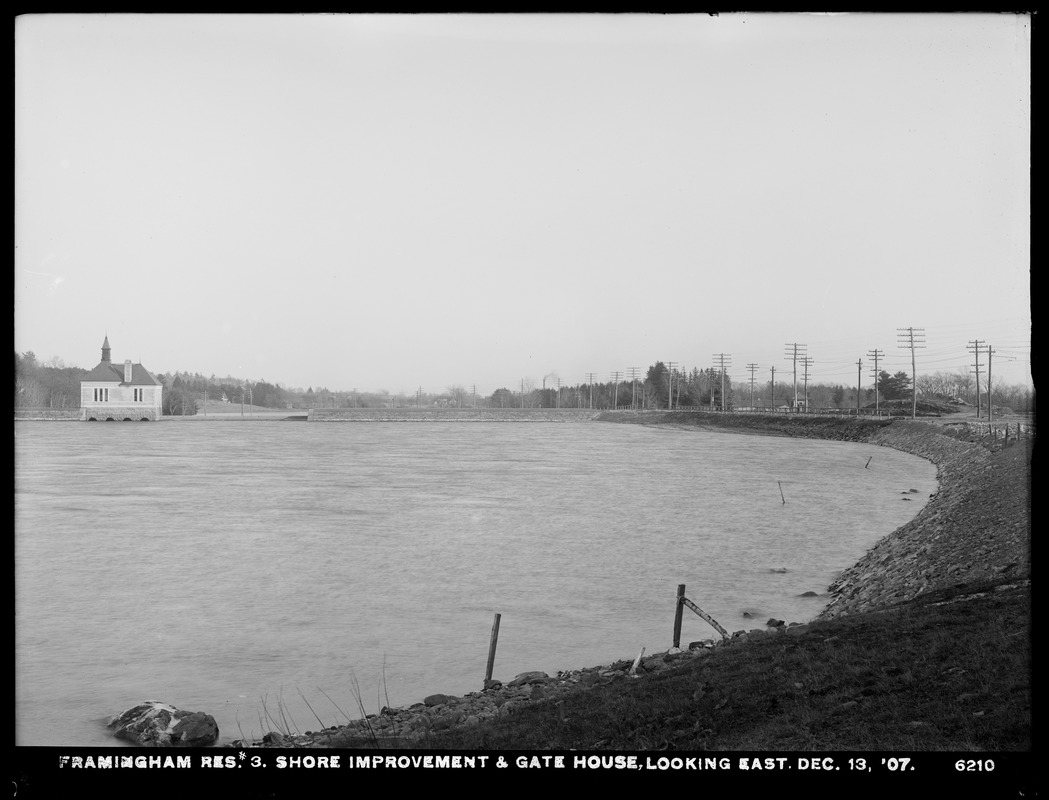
<point>241,568</point>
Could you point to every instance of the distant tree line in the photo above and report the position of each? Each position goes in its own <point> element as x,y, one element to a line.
<point>662,387</point>
<point>46,385</point>
<point>52,384</point>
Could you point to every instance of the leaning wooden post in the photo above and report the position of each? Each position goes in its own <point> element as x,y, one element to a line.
<point>491,651</point>
<point>677,614</point>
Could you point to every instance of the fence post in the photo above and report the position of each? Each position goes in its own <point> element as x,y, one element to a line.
<point>677,615</point>
<point>491,651</point>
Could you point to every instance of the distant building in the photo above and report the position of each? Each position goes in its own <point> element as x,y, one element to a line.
<point>120,391</point>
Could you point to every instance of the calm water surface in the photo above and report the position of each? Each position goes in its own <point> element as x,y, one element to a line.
<point>235,567</point>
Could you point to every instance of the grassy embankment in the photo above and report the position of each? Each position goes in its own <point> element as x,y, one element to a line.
<point>949,669</point>
<point>925,675</point>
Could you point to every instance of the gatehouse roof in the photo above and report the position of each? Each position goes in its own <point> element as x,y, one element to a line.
<point>108,372</point>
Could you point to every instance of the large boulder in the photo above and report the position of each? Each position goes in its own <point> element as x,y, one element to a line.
<point>153,724</point>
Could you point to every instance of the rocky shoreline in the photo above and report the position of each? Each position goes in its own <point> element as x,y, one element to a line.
<point>976,528</point>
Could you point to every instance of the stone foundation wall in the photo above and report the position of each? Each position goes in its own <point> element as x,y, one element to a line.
<point>118,413</point>
<point>49,414</point>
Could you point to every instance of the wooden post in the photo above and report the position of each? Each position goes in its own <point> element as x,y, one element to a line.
<point>491,651</point>
<point>677,614</point>
<point>633,669</point>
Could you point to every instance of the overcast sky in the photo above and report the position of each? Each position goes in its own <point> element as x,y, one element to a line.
<point>395,202</point>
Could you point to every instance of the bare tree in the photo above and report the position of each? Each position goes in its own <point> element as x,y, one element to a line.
<point>29,393</point>
<point>963,385</point>
<point>457,393</point>
<point>530,396</point>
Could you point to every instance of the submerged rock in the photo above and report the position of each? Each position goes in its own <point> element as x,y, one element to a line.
<point>154,724</point>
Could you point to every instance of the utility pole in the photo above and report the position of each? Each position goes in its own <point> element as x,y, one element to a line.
<point>670,388</point>
<point>557,403</point>
<point>773,399</point>
<point>859,383</point>
<point>876,354</point>
<point>913,338</point>
<point>615,391</point>
<point>721,367</point>
<point>590,380</point>
<point>990,409</point>
<point>752,368</point>
<point>633,388</point>
<point>974,345</point>
<point>806,362</point>
<point>794,351</point>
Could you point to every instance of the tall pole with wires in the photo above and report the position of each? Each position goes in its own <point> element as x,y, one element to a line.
<point>912,338</point>
<point>806,363</point>
<point>990,410</point>
<point>670,385</point>
<point>794,352</point>
<point>859,382</point>
<point>724,360</point>
<point>974,345</point>
<point>876,354</point>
